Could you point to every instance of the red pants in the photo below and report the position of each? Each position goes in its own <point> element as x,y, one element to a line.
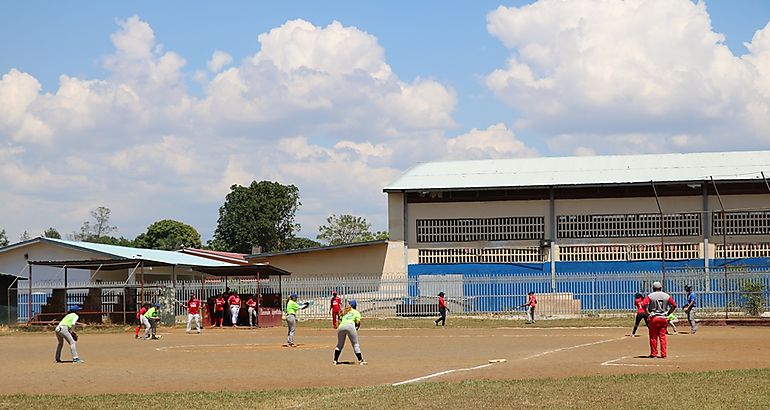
<point>335,319</point>
<point>657,329</point>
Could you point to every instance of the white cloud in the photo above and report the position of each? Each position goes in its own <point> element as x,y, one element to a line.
<point>654,69</point>
<point>497,141</point>
<point>218,60</point>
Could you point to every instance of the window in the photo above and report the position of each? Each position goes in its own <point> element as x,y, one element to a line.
<point>741,223</point>
<point>481,229</point>
<point>627,225</point>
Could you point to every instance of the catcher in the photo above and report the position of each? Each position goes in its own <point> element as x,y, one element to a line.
<point>66,331</point>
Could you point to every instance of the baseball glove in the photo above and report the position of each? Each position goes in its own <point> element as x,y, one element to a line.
<point>74,336</point>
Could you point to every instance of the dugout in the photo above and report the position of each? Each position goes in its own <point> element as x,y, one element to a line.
<point>269,309</point>
<point>8,301</point>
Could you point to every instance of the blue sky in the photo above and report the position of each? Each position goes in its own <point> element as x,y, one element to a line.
<point>653,77</point>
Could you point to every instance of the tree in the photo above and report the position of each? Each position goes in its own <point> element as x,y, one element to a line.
<point>3,238</point>
<point>300,243</point>
<point>261,214</point>
<point>52,233</point>
<point>91,232</point>
<point>168,235</point>
<point>347,229</point>
<point>24,236</point>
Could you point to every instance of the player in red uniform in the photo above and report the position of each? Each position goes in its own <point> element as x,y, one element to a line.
<point>640,313</point>
<point>442,309</point>
<point>659,305</point>
<point>219,310</point>
<point>335,307</point>
<point>252,304</point>
<point>235,307</point>
<point>193,312</point>
<point>139,316</point>
<point>530,305</point>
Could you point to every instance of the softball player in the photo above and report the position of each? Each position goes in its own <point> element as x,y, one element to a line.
<point>335,306</point>
<point>640,313</point>
<point>139,318</point>
<point>530,305</point>
<point>692,300</point>
<point>193,312</point>
<point>252,304</point>
<point>659,305</point>
<point>349,325</point>
<point>442,309</point>
<point>66,331</point>
<point>235,307</point>
<point>219,310</point>
<point>152,317</point>
<point>292,307</point>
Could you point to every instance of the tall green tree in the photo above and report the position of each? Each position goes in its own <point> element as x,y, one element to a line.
<point>169,235</point>
<point>52,233</point>
<point>261,214</point>
<point>347,229</point>
<point>24,236</point>
<point>301,243</point>
<point>3,238</point>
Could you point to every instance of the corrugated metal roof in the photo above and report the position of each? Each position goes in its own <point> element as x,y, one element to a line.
<point>566,171</point>
<point>166,257</point>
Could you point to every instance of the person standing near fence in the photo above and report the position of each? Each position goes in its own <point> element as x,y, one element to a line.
<point>442,309</point>
<point>349,325</point>
<point>66,331</point>
<point>219,310</point>
<point>335,306</point>
<point>292,307</point>
<point>640,313</point>
<point>659,305</point>
<point>692,300</point>
<point>193,306</point>
<point>530,305</point>
<point>252,304</point>
<point>235,307</point>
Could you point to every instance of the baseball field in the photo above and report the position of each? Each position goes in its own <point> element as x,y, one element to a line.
<point>512,367</point>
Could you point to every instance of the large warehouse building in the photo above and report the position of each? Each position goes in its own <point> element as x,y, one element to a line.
<point>583,214</point>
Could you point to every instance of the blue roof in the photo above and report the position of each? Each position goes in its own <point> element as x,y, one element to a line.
<point>155,255</point>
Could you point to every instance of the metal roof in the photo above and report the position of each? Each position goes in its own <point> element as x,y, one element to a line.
<point>316,249</point>
<point>594,170</point>
<point>154,255</point>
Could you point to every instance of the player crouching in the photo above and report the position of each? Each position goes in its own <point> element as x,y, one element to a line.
<point>349,325</point>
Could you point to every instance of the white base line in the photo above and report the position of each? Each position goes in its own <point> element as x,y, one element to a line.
<point>490,364</point>
<point>613,363</point>
<point>441,374</point>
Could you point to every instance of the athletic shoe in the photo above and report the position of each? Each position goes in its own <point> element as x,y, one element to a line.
<point>58,361</point>
<point>363,363</point>
<point>335,363</point>
<point>77,360</point>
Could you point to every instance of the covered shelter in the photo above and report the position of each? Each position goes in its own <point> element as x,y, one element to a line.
<point>134,293</point>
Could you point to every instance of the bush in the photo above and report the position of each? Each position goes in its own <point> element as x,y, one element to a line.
<point>753,297</point>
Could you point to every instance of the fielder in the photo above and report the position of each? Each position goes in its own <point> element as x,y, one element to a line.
<point>659,305</point>
<point>152,317</point>
<point>442,309</point>
<point>335,306</point>
<point>292,307</point>
<point>349,325</point>
<point>641,314</point>
<point>235,307</point>
<point>66,331</point>
<point>692,300</point>
<point>193,312</point>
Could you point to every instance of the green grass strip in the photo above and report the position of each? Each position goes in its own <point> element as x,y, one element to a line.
<point>734,389</point>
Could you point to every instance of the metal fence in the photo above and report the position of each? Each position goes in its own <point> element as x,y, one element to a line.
<point>744,292</point>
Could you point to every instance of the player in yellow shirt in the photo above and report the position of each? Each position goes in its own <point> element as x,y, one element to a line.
<point>66,331</point>
<point>349,325</point>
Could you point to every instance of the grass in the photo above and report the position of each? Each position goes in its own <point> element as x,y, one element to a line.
<point>742,389</point>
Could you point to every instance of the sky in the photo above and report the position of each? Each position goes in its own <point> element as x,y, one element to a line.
<point>154,109</point>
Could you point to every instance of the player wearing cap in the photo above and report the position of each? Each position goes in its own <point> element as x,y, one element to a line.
<point>252,304</point>
<point>692,300</point>
<point>219,310</point>
<point>193,312</point>
<point>335,306</point>
<point>66,331</point>
<point>349,325</point>
<point>235,307</point>
<point>442,309</point>
<point>152,316</point>
<point>659,305</point>
<point>292,307</point>
<point>640,313</point>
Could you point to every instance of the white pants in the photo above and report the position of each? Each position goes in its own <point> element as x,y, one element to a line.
<point>146,324</point>
<point>62,334</point>
<point>252,316</point>
<point>197,317</point>
<point>234,312</point>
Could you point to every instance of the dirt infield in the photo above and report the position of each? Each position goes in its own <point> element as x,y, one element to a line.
<point>244,359</point>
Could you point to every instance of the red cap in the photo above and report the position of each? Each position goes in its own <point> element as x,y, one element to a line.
<point>334,292</point>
